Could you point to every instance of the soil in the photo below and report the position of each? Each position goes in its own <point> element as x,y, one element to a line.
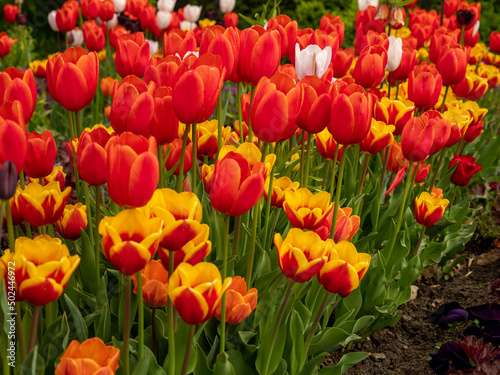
<point>405,348</point>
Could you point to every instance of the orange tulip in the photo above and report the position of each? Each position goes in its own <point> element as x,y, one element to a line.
<point>20,86</point>
<point>379,137</point>
<point>133,171</point>
<point>207,133</point>
<point>73,219</point>
<point>306,210</point>
<point>174,150</point>
<point>115,33</point>
<point>393,112</point>
<point>72,78</point>
<point>91,357</point>
<point>329,23</point>
<point>154,284</point>
<point>132,55</point>
<point>230,19</point>
<point>162,71</point>
<point>345,229</point>
<point>40,155</point>
<point>287,30</point>
<point>6,43</point>
<point>67,16</point>
<point>179,41</point>
<point>240,302</point>
<point>196,291</point>
<point>107,85</point>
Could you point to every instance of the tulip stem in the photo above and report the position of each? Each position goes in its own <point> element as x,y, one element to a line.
<point>34,323</point>
<point>268,208</point>
<point>77,122</point>
<point>326,318</point>
<point>187,352</point>
<point>20,333</point>
<point>194,169</point>
<point>308,159</point>
<point>389,85</point>
<point>438,168</point>
<point>219,124</point>
<point>334,166</point>
<point>126,324</point>
<point>302,152</point>
<point>250,132</point>
<point>237,228</point>
<point>366,159</point>
<point>28,226</point>
<point>420,238</point>
<point>267,356</point>
<point>240,114</point>
<point>462,36</point>
<point>72,135</point>
<point>397,90</point>
<point>325,177</point>
<point>453,197</point>
<point>225,247</point>
<point>390,246</point>
<point>444,98</point>
<point>180,177</point>
<point>159,154</point>
<point>153,333</point>
<point>336,204</point>
<point>89,211</point>
<point>96,239</point>
<point>140,317</point>
<point>10,227</point>
<point>442,12</point>
<point>2,210</point>
<point>170,320</point>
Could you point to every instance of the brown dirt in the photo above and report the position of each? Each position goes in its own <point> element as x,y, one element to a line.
<point>405,348</point>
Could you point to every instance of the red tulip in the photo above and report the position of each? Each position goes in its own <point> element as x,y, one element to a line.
<point>41,154</point>
<point>314,115</point>
<point>441,128</point>
<point>452,64</point>
<point>408,62</point>
<point>93,36</point>
<point>10,12</point>
<point>66,17</point>
<point>164,124</point>
<point>287,30</point>
<point>230,19</point>
<point>90,8</point>
<point>424,87</point>
<point>13,144</point>
<point>6,43</point>
<point>17,86</point>
<point>369,70</point>
<point>162,71</point>
<point>224,43</point>
<point>147,16</point>
<point>132,55</point>
<point>174,150</point>
<point>417,139</point>
<point>329,23</point>
<point>107,10</point>
<point>441,37</point>
<point>179,41</point>
<point>495,41</point>
<point>466,168</point>
<point>342,62</point>
<point>115,33</point>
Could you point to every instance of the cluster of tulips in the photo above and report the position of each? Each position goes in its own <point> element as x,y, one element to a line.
<point>168,174</point>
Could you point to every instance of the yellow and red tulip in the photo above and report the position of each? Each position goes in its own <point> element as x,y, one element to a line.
<point>73,219</point>
<point>280,186</point>
<point>429,209</point>
<point>306,210</point>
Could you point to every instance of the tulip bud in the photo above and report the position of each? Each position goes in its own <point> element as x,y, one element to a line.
<point>394,54</point>
<point>466,168</point>
<point>417,139</point>
<point>382,12</point>
<point>163,19</point>
<point>226,6</point>
<point>52,20</point>
<point>397,17</point>
<point>465,17</point>
<point>166,5</point>
<point>120,5</point>
<point>192,13</point>
<point>8,180</point>
<point>21,19</point>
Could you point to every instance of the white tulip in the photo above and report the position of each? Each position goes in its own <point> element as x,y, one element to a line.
<point>192,12</point>
<point>153,46</point>
<point>52,20</point>
<point>312,60</point>
<point>120,5</point>
<point>112,22</point>
<point>163,19</point>
<point>476,28</point>
<point>227,6</point>
<point>76,37</point>
<point>394,54</point>
<point>166,5</point>
<point>363,4</point>
<point>187,25</point>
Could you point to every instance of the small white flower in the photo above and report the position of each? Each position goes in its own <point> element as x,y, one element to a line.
<point>120,5</point>
<point>52,20</point>
<point>112,22</point>
<point>363,4</point>
<point>187,25</point>
<point>394,54</point>
<point>226,6</point>
<point>153,46</point>
<point>166,5</point>
<point>75,37</point>
<point>163,19</point>
<point>312,60</point>
<point>192,12</point>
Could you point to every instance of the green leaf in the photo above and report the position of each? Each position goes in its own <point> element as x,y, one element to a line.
<point>76,316</point>
<point>346,362</point>
<point>297,336</point>
<point>104,326</point>
<point>87,266</point>
<point>223,366</point>
<point>33,364</point>
<point>327,339</point>
<point>55,340</point>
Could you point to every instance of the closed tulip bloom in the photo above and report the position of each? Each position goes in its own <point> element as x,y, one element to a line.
<point>306,210</point>
<point>441,128</point>
<point>460,120</point>
<point>133,106</point>
<point>39,68</point>
<point>192,12</point>
<point>66,17</point>
<point>130,239</point>
<point>9,12</point>
<point>371,39</point>
<point>120,5</point>
<point>351,115</point>
<point>107,85</point>
<point>179,41</point>
<point>260,54</point>
<point>43,205</point>
<point>312,60</point>
<point>40,155</point>
<point>91,154</point>
<point>162,71</point>
<point>465,169</point>
<point>240,302</point>
<point>235,186</point>
<point>344,269</point>
<point>132,55</point>
<point>495,41</point>
<point>13,144</point>
<point>452,64</point>
<point>345,229</point>
<point>329,23</point>
<point>115,33</point>
<point>472,87</point>
<point>275,108</point>
<point>231,19</point>
<point>280,186</point>
<point>424,87</point>
<point>6,43</point>
<point>73,219</point>
<point>56,175</point>
<point>408,62</point>
<point>8,180</point>
<point>300,255</point>
<point>287,30</point>
<point>166,5</point>
<point>133,171</point>
<point>342,62</point>
<point>42,268</point>
<point>107,11</point>
<point>72,78</point>
<point>164,125</point>
<point>468,14</point>
<point>326,145</point>
<point>429,209</point>
<point>20,86</point>
<point>394,112</point>
<point>154,284</point>
<point>51,17</point>
<point>226,6</point>
<point>174,150</point>
<point>197,88</point>
<point>90,357</point>
<point>379,137</point>
<point>417,139</point>
<point>75,37</point>
<point>441,37</point>
<point>196,291</point>
<point>314,114</point>
<point>251,153</point>
<point>394,53</point>
<point>370,67</point>
<point>93,36</point>
<point>90,8</point>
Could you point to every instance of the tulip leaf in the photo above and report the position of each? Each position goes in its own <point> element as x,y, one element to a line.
<point>76,316</point>
<point>181,337</point>
<point>346,362</point>
<point>238,361</point>
<point>102,294</point>
<point>223,366</point>
<point>55,340</point>
<point>327,339</point>
<point>104,327</point>
<point>142,366</point>
<point>311,366</point>
<point>33,364</point>
<point>351,303</point>
<point>202,367</point>
<point>87,266</point>
<point>297,336</point>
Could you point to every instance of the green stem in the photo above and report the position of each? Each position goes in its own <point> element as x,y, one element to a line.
<point>227,220</point>
<point>444,98</point>
<point>2,210</point>
<point>34,323</point>
<point>96,239</point>
<point>20,333</point>
<point>126,324</point>
<point>180,177</point>
<point>267,356</point>
<point>153,333</point>
<point>10,227</point>
<point>336,204</point>
<point>334,166</point>
<point>268,206</point>
<point>462,36</point>
<point>453,198</point>
<point>237,228</point>
<point>325,177</point>
<point>159,153</point>
<point>389,86</point>
<point>240,113</point>
<point>420,238</point>
<point>48,314</point>
<point>78,127</point>
<point>302,153</point>
<point>364,168</point>
<point>170,321</point>
<point>326,318</point>
<point>140,317</point>
<point>187,352</point>
<point>250,132</point>
<point>194,169</point>
<point>72,135</point>
<point>308,159</point>
<point>219,124</point>
<point>89,210</point>
<point>437,169</point>
<point>397,90</point>
<point>28,226</point>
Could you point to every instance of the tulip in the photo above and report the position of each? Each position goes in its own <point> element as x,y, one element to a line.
<point>344,269</point>
<point>394,112</point>
<point>73,219</point>
<point>40,155</point>
<point>66,17</point>
<point>351,114</point>
<point>369,69</point>
<point>72,78</point>
<point>459,119</point>
<point>394,54</point>
<point>408,62</point>
<point>452,64</point>
<point>397,17</point>
<point>51,17</point>
<point>130,239</point>
<point>260,54</point>
<point>20,86</point>
<point>306,210</point>
<point>196,291</point>
<point>107,11</point>
<point>13,144</point>
<point>224,43</point>
<point>192,13</point>
<point>120,5</point>
<point>9,12</point>
<point>327,145</point>
<point>495,41</point>
<point>472,87</point>
<point>329,23</point>
<point>207,133</point>
<point>163,19</point>
<point>166,5</point>
<point>133,106</point>
<point>275,108</point>
<point>174,150</point>
<point>115,33</point>
<point>39,68</point>
<point>162,72</point>
<point>179,41</point>
<point>301,255</point>
<point>90,9</point>
<point>133,171</point>
<point>429,209</point>
<point>147,16</point>
<point>132,55</point>
<point>90,357</point>
<point>312,60</point>
<point>42,268</point>
<point>56,175</point>
<point>417,139</point>
<point>365,20</point>
<point>379,137</point>
<point>371,39</point>
<point>287,30</point>
<point>346,227</point>
<point>251,153</point>
<point>491,73</point>
<point>201,81</point>
<point>164,124</point>
<point>6,43</point>
<point>342,62</point>
<point>107,85</point>
<point>93,36</point>
<point>235,186</point>
<point>468,14</point>
<point>230,19</point>
<point>424,87</point>
<point>226,6</point>
<point>280,186</point>
<point>441,128</point>
<point>466,168</point>
<point>382,12</point>
<point>154,284</point>
<point>314,115</point>
<point>8,180</point>
<point>240,302</point>
<point>17,219</point>
<point>75,37</point>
